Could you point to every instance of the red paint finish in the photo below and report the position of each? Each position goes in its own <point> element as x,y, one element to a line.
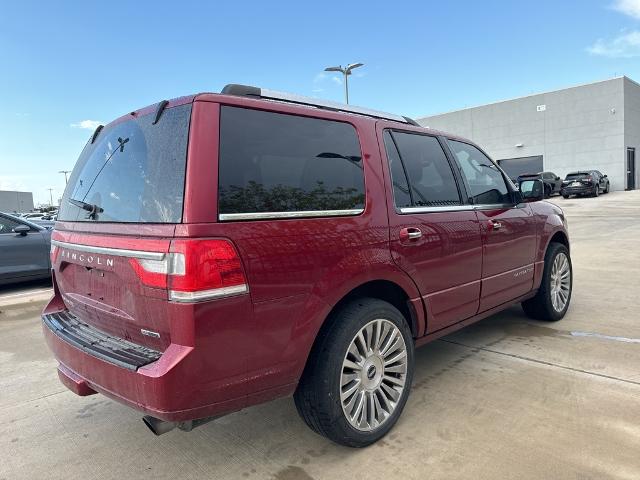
<point>224,354</point>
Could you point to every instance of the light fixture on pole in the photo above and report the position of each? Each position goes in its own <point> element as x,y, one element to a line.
<point>65,175</point>
<point>346,71</point>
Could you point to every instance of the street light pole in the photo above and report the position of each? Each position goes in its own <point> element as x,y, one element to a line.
<point>65,175</point>
<point>50,196</point>
<point>346,71</point>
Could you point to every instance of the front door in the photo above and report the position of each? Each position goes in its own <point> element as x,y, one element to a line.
<point>21,255</point>
<point>435,236</point>
<point>631,168</point>
<point>509,231</point>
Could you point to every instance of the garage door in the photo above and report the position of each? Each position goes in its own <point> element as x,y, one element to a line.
<point>517,166</point>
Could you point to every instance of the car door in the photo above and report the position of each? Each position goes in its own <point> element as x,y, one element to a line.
<point>21,255</point>
<point>509,230</point>
<point>434,235</point>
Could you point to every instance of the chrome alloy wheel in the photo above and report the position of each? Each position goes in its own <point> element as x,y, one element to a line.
<point>374,372</point>
<point>560,282</point>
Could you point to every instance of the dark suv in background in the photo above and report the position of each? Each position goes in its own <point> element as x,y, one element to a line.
<point>588,182</point>
<point>552,182</point>
<point>217,251</point>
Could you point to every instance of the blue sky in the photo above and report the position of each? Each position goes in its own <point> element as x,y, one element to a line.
<point>70,64</point>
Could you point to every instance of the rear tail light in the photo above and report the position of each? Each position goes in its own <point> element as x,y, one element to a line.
<point>53,253</point>
<point>195,270</point>
<point>588,179</point>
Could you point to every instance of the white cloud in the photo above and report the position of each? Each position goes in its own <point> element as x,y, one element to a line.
<point>628,7</point>
<point>322,77</point>
<point>87,124</point>
<point>625,45</point>
<point>336,80</point>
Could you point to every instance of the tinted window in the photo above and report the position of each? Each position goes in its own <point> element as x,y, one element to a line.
<point>7,224</point>
<point>576,175</point>
<point>271,162</point>
<point>134,171</point>
<point>401,195</point>
<point>429,173</point>
<point>484,179</point>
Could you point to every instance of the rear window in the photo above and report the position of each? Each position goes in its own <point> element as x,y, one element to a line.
<point>134,172</point>
<point>576,175</point>
<point>272,162</point>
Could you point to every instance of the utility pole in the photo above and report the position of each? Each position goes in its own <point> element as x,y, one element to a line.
<point>65,175</point>
<point>50,196</point>
<point>346,71</point>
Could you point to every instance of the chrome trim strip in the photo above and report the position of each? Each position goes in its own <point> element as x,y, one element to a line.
<point>454,208</point>
<point>225,217</point>
<point>451,208</point>
<point>203,295</point>
<point>116,252</point>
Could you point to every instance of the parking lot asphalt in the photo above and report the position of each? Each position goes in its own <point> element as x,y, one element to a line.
<point>507,398</point>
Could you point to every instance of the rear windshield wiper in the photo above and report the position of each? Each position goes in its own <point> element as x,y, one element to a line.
<point>89,207</point>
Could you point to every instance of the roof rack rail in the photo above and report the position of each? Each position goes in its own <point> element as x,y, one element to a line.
<point>249,91</point>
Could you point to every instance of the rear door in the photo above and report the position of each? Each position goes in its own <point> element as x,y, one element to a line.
<point>435,236</point>
<point>509,231</point>
<point>22,255</point>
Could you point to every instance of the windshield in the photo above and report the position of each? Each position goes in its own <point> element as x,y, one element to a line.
<point>133,172</point>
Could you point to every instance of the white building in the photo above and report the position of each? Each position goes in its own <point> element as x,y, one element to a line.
<point>587,127</point>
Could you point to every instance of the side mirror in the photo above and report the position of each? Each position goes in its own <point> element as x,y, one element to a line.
<point>21,229</point>
<point>532,190</point>
<point>604,176</point>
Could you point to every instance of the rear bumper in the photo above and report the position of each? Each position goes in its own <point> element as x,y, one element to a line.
<point>578,190</point>
<point>166,389</point>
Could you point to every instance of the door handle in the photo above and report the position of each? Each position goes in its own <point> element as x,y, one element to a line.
<point>495,225</point>
<point>410,233</point>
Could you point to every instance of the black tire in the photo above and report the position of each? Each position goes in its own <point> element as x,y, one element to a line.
<point>565,196</point>
<point>596,191</point>
<point>541,306</point>
<point>606,190</point>
<point>317,397</point>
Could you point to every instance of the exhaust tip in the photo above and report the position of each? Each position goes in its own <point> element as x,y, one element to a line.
<point>157,426</point>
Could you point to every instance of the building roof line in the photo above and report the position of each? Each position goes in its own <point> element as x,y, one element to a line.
<point>526,96</point>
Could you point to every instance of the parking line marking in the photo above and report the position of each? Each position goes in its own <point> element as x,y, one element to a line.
<point>26,294</point>
<point>606,337</point>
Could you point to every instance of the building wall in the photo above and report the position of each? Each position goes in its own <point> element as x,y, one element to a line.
<point>632,122</point>
<point>15,201</point>
<point>580,128</point>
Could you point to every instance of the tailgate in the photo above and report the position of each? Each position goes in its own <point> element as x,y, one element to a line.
<point>98,277</point>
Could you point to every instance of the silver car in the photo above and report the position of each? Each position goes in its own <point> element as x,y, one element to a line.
<point>24,250</point>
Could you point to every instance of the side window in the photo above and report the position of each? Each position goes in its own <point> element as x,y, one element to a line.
<point>485,182</point>
<point>547,176</point>
<point>272,162</point>
<point>7,225</point>
<point>430,178</point>
<point>401,194</point>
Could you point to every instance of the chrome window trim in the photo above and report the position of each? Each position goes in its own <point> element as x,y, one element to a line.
<point>116,252</point>
<point>226,217</point>
<point>454,208</point>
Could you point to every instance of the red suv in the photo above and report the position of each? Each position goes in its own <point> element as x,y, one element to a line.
<point>221,250</point>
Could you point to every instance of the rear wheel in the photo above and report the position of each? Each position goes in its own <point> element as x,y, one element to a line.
<point>359,374</point>
<point>596,191</point>
<point>553,297</point>
<point>565,196</point>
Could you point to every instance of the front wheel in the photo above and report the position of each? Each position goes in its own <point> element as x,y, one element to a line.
<point>553,297</point>
<point>359,374</point>
<point>565,196</point>
<point>606,190</point>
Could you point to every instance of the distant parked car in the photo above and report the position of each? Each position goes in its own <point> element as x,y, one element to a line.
<point>586,182</point>
<point>552,182</point>
<point>24,250</point>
